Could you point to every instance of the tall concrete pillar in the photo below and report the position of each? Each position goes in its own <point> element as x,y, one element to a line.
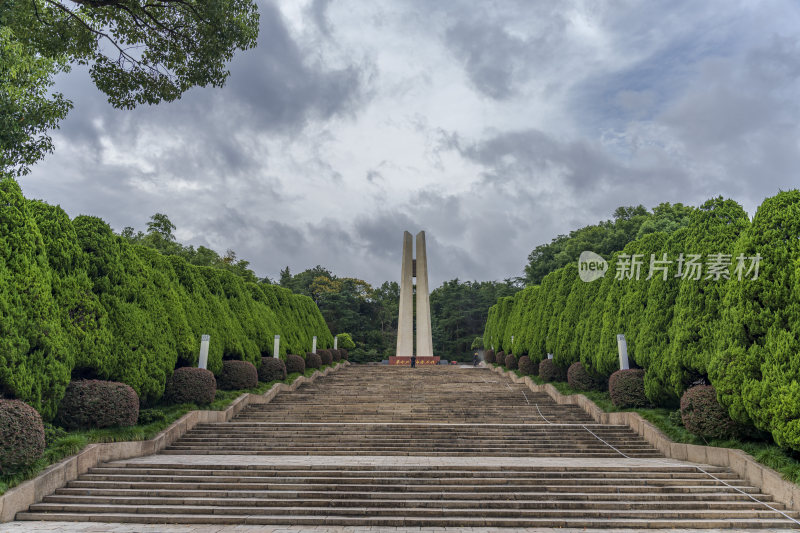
<point>405,318</point>
<point>424,336</point>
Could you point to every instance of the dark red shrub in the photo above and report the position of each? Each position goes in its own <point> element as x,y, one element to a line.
<point>524,365</point>
<point>326,356</point>
<point>579,378</point>
<point>549,371</point>
<point>626,388</point>
<point>295,363</point>
<point>272,369</point>
<point>21,435</point>
<point>344,353</point>
<point>703,415</point>
<point>91,403</point>
<point>237,375</point>
<point>511,361</point>
<point>313,360</point>
<point>337,355</point>
<point>191,385</point>
<point>500,358</point>
<point>488,356</point>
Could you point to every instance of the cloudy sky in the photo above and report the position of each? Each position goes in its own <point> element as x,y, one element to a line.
<point>494,126</point>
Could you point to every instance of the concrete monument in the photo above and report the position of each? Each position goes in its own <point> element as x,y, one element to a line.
<point>414,268</point>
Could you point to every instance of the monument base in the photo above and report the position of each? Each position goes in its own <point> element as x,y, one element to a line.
<point>406,361</point>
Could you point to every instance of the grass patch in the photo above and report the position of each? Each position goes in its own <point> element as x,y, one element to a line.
<point>62,444</point>
<point>767,453</point>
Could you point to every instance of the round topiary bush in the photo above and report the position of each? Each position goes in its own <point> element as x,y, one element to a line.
<point>579,378</point>
<point>626,388</point>
<point>91,403</point>
<point>511,361</point>
<point>488,356</point>
<point>702,414</point>
<point>326,356</point>
<point>549,371</point>
<point>237,375</point>
<point>21,435</point>
<point>337,355</point>
<point>191,385</point>
<point>272,369</point>
<point>524,365</point>
<point>313,360</point>
<point>500,358</point>
<point>344,353</point>
<point>295,363</point>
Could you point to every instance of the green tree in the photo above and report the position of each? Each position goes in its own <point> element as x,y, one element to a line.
<point>714,229</point>
<point>755,368</point>
<point>27,110</point>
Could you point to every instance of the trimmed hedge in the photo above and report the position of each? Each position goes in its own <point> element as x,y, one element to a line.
<point>511,361</point>
<point>91,403</point>
<point>272,369</point>
<point>237,375</point>
<point>524,365</point>
<point>703,415</point>
<point>295,363</point>
<point>191,385</point>
<point>626,388</point>
<point>344,353</point>
<point>326,356</point>
<point>550,371</point>
<point>313,360</point>
<point>500,358</point>
<point>337,354</point>
<point>488,356</point>
<point>579,378</point>
<point>21,435</point>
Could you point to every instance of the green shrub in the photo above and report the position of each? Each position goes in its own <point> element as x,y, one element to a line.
<point>326,356</point>
<point>191,385</point>
<point>295,363</point>
<point>149,416</point>
<point>580,379</point>
<point>755,368</point>
<point>525,366</point>
<point>237,375</point>
<point>488,356</point>
<point>22,438</point>
<point>550,371</point>
<point>626,388</point>
<point>345,341</point>
<point>511,361</point>
<point>313,360</point>
<point>92,403</point>
<point>272,369</point>
<point>702,414</point>
<point>35,359</point>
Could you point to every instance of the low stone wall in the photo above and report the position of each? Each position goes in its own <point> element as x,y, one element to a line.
<point>56,476</point>
<point>740,462</point>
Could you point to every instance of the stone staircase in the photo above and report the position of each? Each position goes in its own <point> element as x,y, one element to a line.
<point>426,447</point>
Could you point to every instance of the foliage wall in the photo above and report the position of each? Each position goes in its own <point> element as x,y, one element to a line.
<point>736,331</point>
<point>78,301</point>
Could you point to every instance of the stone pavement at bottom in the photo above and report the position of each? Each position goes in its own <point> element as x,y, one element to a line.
<point>95,527</point>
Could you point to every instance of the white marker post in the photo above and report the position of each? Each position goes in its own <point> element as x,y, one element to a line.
<point>549,356</point>
<point>314,345</point>
<point>336,343</point>
<point>276,346</point>
<point>203,360</point>
<point>622,347</point>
